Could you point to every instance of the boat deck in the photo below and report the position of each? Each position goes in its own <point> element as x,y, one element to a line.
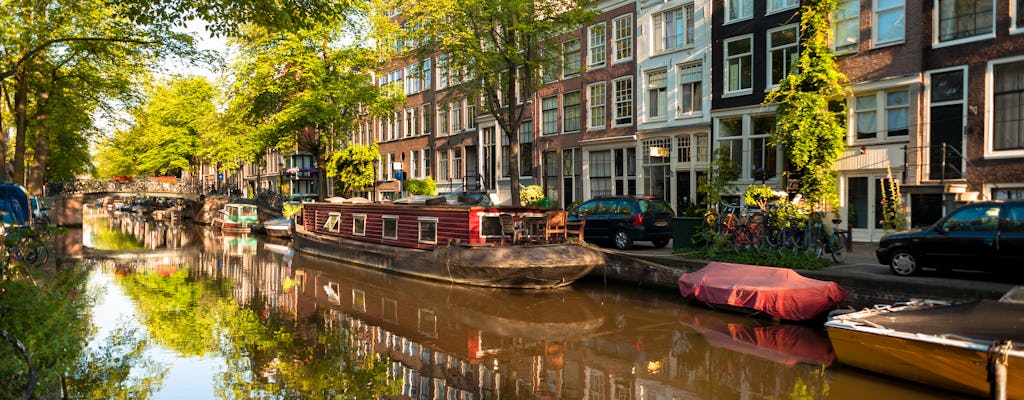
<point>985,320</point>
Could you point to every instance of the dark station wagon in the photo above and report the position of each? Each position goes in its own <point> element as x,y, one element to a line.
<point>986,235</point>
<point>622,220</point>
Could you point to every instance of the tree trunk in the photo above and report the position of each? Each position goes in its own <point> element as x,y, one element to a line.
<point>512,132</point>
<point>40,158</point>
<point>21,124</point>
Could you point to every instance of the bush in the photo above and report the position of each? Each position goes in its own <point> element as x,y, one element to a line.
<point>531,195</point>
<point>421,186</point>
<point>765,257</point>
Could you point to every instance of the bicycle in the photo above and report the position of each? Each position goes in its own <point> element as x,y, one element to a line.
<point>837,242</point>
<point>24,245</point>
<point>18,366</point>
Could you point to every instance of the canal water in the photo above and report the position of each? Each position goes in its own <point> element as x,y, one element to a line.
<point>208,316</point>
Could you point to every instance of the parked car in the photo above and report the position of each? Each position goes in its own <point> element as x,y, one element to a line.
<point>40,212</point>
<point>622,220</point>
<point>986,235</point>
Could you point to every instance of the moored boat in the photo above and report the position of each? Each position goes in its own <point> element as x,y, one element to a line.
<point>459,244</point>
<point>278,227</point>
<point>779,292</point>
<point>235,217</point>
<point>973,348</point>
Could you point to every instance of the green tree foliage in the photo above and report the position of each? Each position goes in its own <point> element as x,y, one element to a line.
<point>303,90</point>
<point>811,127</point>
<point>166,135</point>
<point>718,180</point>
<point>353,168</point>
<point>494,50</point>
<point>117,369</point>
<point>420,186</point>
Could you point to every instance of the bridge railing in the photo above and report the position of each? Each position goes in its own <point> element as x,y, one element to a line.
<point>106,185</point>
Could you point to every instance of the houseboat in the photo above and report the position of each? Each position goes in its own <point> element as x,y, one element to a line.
<point>237,218</point>
<point>472,245</point>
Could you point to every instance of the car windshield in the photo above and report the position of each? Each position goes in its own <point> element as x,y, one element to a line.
<point>655,207</point>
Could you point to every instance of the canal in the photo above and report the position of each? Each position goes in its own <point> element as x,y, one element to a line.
<point>218,316</point>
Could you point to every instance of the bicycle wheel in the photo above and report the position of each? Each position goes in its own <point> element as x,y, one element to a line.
<point>838,246</point>
<point>17,366</point>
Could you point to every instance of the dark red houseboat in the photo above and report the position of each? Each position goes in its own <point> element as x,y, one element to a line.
<point>460,244</point>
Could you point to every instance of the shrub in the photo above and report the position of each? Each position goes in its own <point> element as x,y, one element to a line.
<point>531,195</point>
<point>421,186</point>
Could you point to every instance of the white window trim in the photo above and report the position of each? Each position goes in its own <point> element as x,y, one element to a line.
<point>770,11</point>
<point>356,217</point>
<point>383,232</point>
<point>590,106</point>
<point>419,234</point>
<point>1014,29</point>
<point>336,226</point>
<point>632,35</point>
<point>726,10</point>
<point>768,53</point>
<point>646,99</point>
<point>881,115</point>
<point>615,104</point>
<point>935,28</point>
<point>703,101</point>
<point>591,63</point>
<point>562,114</point>
<point>875,42</point>
<point>725,68</point>
<point>835,36</point>
<point>990,152</point>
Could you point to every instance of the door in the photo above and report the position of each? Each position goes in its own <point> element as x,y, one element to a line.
<point>1010,248</point>
<point>965,239</point>
<point>684,195</point>
<point>946,127</point>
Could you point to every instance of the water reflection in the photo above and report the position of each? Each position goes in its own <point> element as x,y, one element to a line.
<point>280,324</point>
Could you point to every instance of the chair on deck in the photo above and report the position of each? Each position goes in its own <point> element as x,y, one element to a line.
<point>555,225</point>
<point>508,228</point>
<point>576,227</point>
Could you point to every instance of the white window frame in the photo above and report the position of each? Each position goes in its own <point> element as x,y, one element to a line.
<point>626,39</point>
<point>547,113</point>
<point>772,9</point>
<point>852,18</point>
<point>333,222</point>
<point>660,27</point>
<point>579,112</point>
<point>783,48</point>
<point>358,217</point>
<point>579,60</point>
<point>937,42</point>
<point>1016,24</point>
<point>626,101</point>
<point>749,55</point>
<point>743,5</point>
<point>597,105</point>
<point>384,223</point>
<point>698,94</point>
<point>661,113</point>
<point>601,45</point>
<point>876,11</point>
<point>990,151</point>
<point>882,109</point>
<point>426,220</point>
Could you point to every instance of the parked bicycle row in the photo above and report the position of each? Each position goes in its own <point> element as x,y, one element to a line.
<point>782,231</point>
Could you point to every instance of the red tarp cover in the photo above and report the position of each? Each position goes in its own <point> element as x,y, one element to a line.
<point>779,292</point>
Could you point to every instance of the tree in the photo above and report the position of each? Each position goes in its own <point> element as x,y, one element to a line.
<point>496,50</point>
<point>303,90</point>
<point>353,167</point>
<point>811,127</point>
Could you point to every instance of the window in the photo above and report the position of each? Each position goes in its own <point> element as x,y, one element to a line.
<point>333,223</point>
<point>779,5</point>
<point>738,9</point>
<point>457,163</point>
<point>549,114</point>
<point>470,114</point>
<point>442,71</point>
<point>596,53</point>
<point>443,166</point>
<point>414,164</point>
<point>428,112</point>
<point>596,99</point>
<point>890,21</point>
<point>442,120</point>
<point>959,19</point>
<point>738,59</point>
<point>657,94</point>
<point>571,117</point>
<point>1008,106</point>
<point>456,116</point>
<point>673,29</point>
<point>526,148</point>
<point>428,230</point>
<point>763,155</point>
<point>623,101</point>
<point>570,58</point>
<point>390,227</point>
<point>622,38</point>
<point>683,144</point>
<point>1018,14</point>
<point>731,137</point>
<point>846,27</point>
<point>892,119</point>
<point>359,224</point>
<point>601,173</point>
<point>981,218</point>
<point>782,49</point>
<point>690,93</point>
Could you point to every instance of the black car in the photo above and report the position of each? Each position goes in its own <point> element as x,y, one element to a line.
<point>986,235</point>
<point>622,220</point>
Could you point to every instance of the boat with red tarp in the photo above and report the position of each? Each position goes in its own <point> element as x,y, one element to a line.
<point>779,292</point>
<point>469,245</point>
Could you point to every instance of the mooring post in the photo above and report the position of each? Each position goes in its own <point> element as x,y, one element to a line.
<point>998,358</point>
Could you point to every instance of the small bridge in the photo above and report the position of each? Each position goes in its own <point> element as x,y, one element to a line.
<point>69,197</point>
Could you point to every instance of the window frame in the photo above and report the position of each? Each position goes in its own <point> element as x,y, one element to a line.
<point>578,63</point>
<point>659,25</point>
<point>599,46</point>
<point>623,104</point>
<point>626,39</point>
<point>547,112</point>
<point>662,94</point>
<point>595,109</point>
<point>745,5</point>
<point>1016,17</point>
<point>578,105</point>
<point>385,220</point>
<point>990,97</point>
<point>420,221</point>
<point>937,41</point>
<point>749,55</point>
<point>696,93</point>
<point>355,218</point>
<point>333,222</point>
<point>770,60</point>
<point>882,111</point>
<point>771,10</point>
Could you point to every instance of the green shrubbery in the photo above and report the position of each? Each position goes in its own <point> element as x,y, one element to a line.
<point>421,186</point>
<point>765,257</point>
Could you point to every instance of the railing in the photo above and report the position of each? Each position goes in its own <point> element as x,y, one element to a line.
<point>106,185</point>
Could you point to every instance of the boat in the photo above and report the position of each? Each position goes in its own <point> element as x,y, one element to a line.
<point>236,217</point>
<point>948,345</point>
<point>278,227</point>
<point>779,292</point>
<point>458,244</point>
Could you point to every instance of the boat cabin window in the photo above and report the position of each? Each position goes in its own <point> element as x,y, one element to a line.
<point>390,226</point>
<point>333,223</point>
<point>428,230</point>
<point>359,300</point>
<point>359,224</point>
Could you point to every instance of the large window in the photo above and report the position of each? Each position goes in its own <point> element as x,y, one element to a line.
<point>1008,106</point>
<point>673,29</point>
<point>571,58</point>
<point>959,19</point>
<point>1018,14</point>
<point>763,154</point>
<point>623,101</point>
<point>738,9</point>
<point>597,99</point>
<point>657,94</point>
<point>846,27</point>
<point>690,93</point>
<point>549,112</point>
<point>730,133</point>
<point>443,166</point>
<point>779,5</point>
<point>526,149</point>
<point>882,115</point>
<point>571,115</point>
<point>442,120</point>
<point>601,173</point>
<point>890,21</point>
<point>596,48</point>
<point>782,50</point>
<point>622,38</point>
<point>738,60</point>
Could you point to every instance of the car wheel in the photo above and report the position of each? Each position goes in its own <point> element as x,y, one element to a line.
<point>660,243</point>
<point>622,240</point>
<point>904,264</point>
